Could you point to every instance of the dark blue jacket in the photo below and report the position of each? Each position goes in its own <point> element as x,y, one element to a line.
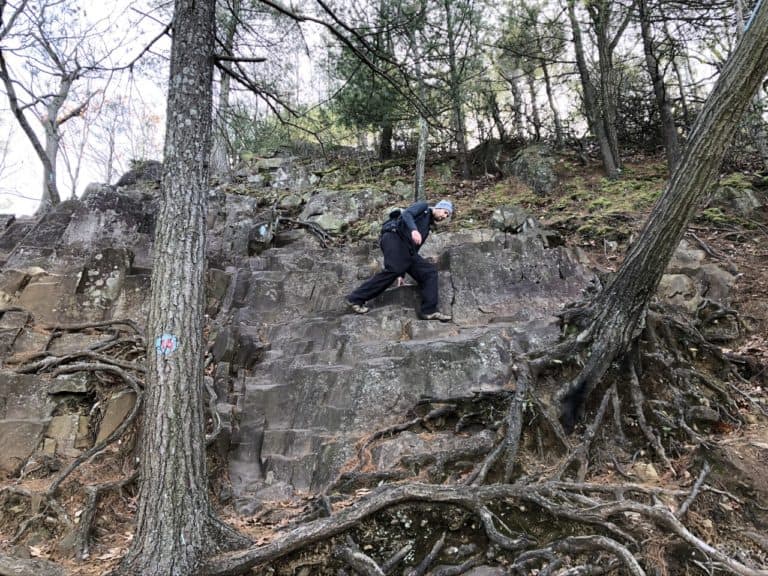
<point>417,216</point>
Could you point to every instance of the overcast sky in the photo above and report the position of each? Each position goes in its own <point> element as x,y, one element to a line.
<point>20,168</point>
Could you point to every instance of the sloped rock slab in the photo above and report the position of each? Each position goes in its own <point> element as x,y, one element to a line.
<point>332,377</point>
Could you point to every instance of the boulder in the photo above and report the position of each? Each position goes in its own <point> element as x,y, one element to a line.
<point>739,199</point>
<point>334,210</point>
<point>534,165</point>
<point>513,219</point>
<point>142,171</point>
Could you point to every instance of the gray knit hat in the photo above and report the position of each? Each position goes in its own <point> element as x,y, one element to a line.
<point>445,205</point>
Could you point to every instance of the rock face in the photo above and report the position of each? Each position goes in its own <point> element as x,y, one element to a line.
<point>300,380</point>
<point>331,377</point>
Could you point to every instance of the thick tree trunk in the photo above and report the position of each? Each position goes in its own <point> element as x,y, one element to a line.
<point>671,144</point>
<point>591,101</point>
<point>175,526</point>
<point>621,307</point>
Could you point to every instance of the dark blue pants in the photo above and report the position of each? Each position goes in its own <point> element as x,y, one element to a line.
<point>400,258</point>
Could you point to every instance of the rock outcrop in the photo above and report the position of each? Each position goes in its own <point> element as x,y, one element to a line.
<point>300,379</point>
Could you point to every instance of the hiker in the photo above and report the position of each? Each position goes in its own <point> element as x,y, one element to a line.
<point>401,239</point>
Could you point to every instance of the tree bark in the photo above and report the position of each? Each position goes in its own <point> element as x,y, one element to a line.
<point>601,16</point>
<point>457,103</point>
<point>591,101</point>
<point>219,157</point>
<point>50,195</point>
<point>671,144</point>
<point>419,186</point>
<point>755,122</point>
<point>621,306</point>
<point>518,124</point>
<point>552,105</point>
<point>385,140</point>
<point>176,527</point>
<point>536,117</point>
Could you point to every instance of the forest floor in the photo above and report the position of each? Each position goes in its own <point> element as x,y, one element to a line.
<point>596,215</point>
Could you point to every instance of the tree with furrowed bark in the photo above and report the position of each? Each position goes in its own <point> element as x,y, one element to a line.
<point>176,527</point>
<point>610,323</point>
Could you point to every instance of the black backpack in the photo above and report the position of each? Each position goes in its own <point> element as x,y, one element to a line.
<point>393,222</point>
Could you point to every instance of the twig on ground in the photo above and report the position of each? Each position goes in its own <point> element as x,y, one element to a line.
<point>694,491</point>
<point>430,558</point>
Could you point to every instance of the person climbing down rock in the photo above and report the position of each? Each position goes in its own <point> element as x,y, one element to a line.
<point>400,241</point>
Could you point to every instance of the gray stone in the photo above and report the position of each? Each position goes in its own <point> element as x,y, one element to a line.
<point>146,171</point>
<point>702,414</point>
<point>271,163</point>
<point>216,286</point>
<point>679,290</point>
<point>331,377</point>
<point>12,282</point>
<point>70,431</point>
<point>402,190</point>
<point>743,201</point>
<point>24,396</point>
<point>336,209</point>
<point>686,259</point>
<point>256,180</point>
<point>486,571</point>
<point>18,441</point>
<point>118,407</point>
<point>77,383</point>
<point>6,220</point>
<point>534,165</point>
<point>290,201</point>
<point>95,188</point>
<point>513,219</point>
<point>715,283</point>
<point>10,566</point>
<point>13,235</point>
<point>51,298</point>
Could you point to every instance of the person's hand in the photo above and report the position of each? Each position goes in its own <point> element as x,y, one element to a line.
<point>416,237</point>
<point>400,281</point>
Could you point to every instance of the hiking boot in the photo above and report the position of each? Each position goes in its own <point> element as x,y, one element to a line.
<point>358,308</point>
<point>436,316</point>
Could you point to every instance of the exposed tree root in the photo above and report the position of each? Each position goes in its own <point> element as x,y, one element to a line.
<point>598,505</point>
<point>314,228</point>
<point>82,536</point>
<point>117,433</point>
<point>44,506</point>
<point>646,405</point>
<point>607,524</point>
